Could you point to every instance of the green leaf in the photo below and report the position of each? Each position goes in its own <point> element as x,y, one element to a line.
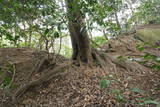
<point>1,72</point>
<point>121,58</point>
<point>56,34</point>
<point>136,90</point>
<point>16,37</point>
<point>158,59</point>
<point>9,36</point>
<point>120,98</point>
<point>10,68</point>
<point>156,66</point>
<point>105,83</point>
<point>110,76</point>
<point>157,89</point>
<point>140,48</point>
<point>116,91</point>
<point>7,80</point>
<point>129,78</point>
<point>151,102</point>
<point>149,56</point>
<point>46,31</point>
<point>110,9</point>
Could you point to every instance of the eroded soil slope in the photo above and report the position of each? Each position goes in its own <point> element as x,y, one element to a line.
<point>83,86</point>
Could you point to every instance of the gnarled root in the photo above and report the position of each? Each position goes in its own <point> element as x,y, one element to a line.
<point>39,66</point>
<point>126,64</point>
<point>106,60</point>
<point>57,71</point>
<point>98,59</point>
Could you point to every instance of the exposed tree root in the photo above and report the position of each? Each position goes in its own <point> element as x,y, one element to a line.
<point>57,71</point>
<point>127,64</point>
<point>103,59</point>
<point>98,59</point>
<point>14,72</point>
<point>39,66</point>
<point>106,60</point>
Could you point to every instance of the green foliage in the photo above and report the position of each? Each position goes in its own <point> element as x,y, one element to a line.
<point>10,68</point>
<point>145,101</point>
<point>24,21</point>
<point>66,51</point>
<point>118,95</point>
<point>155,59</point>
<point>39,23</point>
<point>56,35</point>
<point>147,12</point>
<point>105,83</point>
<point>6,83</point>
<point>116,91</point>
<point>121,58</point>
<point>149,35</point>
<point>136,90</point>
<point>7,80</point>
<point>1,71</point>
<point>140,47</point>
<point>147,57</point>
<point>98,41</point>
<point>111,76</point>
<point>120,98</point>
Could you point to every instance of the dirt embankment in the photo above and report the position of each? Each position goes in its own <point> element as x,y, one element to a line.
<point>81,86</point>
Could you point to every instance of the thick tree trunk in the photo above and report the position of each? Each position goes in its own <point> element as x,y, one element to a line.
<point>78,33</point>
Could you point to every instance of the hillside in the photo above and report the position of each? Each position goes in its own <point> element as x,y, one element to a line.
<point>132,78</point>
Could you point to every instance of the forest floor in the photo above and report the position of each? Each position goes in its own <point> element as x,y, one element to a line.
<point>81,86</point>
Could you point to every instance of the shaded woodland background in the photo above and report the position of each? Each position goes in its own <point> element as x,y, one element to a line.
<point>43,24</point>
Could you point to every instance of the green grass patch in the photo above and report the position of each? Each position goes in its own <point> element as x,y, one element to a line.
<point>149,35</point>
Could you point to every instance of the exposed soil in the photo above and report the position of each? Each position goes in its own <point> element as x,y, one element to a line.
<point>80,86</point>
<point>155,26</point>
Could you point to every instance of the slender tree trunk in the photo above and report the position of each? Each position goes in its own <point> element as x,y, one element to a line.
<point>1,40</point>
<point>25,41</point>
<point>30,39</point>
<point>46,44</point>
<point>78,33</point>
<point>117,20</point>
<point>25,36</point>
<point>30,23</point>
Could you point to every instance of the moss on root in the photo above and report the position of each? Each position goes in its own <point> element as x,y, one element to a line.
<point>149,35</point>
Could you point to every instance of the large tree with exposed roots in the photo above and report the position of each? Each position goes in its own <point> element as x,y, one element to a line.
<point>82,50</point>
<point>79,36</point>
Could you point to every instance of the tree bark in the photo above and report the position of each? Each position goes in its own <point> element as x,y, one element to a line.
<point>78,33</point>
<point>117,20</point>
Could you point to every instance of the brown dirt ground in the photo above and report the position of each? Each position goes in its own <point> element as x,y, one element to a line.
<point>80,86</point>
